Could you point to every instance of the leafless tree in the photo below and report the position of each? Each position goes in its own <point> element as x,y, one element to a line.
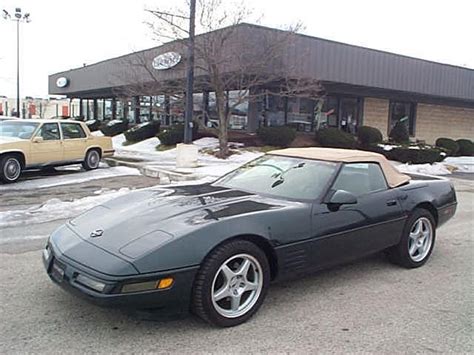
<point>227,59</point>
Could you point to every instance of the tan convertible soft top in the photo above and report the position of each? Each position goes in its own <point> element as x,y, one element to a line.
<point>393,176</point>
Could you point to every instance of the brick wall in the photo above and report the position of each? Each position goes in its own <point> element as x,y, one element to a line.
<point>376,114</point>
<point>434,121</point>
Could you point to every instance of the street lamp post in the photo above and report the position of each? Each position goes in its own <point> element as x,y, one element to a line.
<point>18,17</point>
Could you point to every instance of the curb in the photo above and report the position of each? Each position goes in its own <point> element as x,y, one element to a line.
<point>165,176</point>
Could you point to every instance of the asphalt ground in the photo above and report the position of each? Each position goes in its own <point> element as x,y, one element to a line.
<point>368,306</point>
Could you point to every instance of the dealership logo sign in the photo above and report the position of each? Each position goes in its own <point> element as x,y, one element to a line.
<point>166,60</point>
<point>62,82</point>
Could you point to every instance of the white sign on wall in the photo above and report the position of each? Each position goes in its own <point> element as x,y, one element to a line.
<point>166,60</point>
<point>62,82</point>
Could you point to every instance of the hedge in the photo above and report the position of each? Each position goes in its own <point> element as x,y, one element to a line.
<point>450,145</point>
<point>466,147</point>
<point>142,131</point>
<point>114,127</point>
<point>335,138</point>
<point>279,136</point>
<point>399,133</point>
<point>175,134</point>
<point>93,125</point>
<point>410,155</point>
<point>369,135</point>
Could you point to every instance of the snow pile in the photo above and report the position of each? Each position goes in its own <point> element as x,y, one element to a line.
<point>461,164</point>
<point>76,176</point>
<point>97,133</point>
<point>55,209</point>
<point>425,169</point>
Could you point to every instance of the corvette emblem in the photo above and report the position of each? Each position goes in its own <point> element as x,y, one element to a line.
<point>97,233</point>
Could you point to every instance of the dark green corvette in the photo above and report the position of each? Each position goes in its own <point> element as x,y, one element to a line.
<point>214,248</point>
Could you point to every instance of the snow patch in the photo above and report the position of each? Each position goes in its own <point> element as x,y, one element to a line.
<point>75,176</point>
<point>461,164</point>
<point>55,209</point>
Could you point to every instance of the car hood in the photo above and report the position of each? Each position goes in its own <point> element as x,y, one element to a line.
<point>7,140</point>
<point>157,216</point>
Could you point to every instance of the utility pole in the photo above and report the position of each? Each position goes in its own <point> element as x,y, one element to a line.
<point>188,117</point>
<point>24,18</point>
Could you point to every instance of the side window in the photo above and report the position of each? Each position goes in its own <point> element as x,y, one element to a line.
<point>72,131</point>
<point>49,132</point>
<point>360,178</point>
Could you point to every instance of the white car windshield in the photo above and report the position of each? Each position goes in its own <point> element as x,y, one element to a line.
<point>15,129</point>
<point>282,177</point>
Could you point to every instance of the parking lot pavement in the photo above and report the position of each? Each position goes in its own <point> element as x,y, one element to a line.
<point>366,306</point>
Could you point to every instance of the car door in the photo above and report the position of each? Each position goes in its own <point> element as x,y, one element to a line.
<point>46,146</point>
<point>74,141</point>
<point>349,231</point>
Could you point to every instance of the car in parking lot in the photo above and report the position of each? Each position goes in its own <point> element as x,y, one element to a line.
<point>214,248</point>
<point>37,143</point>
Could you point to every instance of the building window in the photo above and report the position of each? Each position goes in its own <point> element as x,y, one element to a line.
<point>342,112</point>
<point>405,112</point>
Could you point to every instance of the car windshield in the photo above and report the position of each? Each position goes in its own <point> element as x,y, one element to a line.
<point>281,176</point>
<point>15,129</point>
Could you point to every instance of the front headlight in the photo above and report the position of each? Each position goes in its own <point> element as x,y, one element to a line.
<point>90,282</point>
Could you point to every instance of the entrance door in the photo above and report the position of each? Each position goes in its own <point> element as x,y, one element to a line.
<point>50,149</point>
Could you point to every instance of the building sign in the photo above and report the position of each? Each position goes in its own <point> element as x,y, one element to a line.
<point>166,60</point>
<point>62,82</point>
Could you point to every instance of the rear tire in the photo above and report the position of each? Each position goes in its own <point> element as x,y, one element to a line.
<point>92,160</point>
<point>231,284</point>
<point>417,242</point>
<point>10,168</point>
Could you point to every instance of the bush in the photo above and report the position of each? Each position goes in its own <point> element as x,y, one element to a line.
<point>279,136</point>
<point>114,127</point>
<point>415,156</point>
<point>142,131</point>
<point>450,145</point>
<point>335,138</point>
<point>175,134</point>
<point>93,125</point>
<point>399,133</point>
<point>369,136</point>
<point>466,147</point>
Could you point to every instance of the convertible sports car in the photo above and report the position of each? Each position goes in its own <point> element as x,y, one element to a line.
<point>214,248</point>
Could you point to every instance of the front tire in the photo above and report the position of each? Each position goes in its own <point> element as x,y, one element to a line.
<point>417,242</point>
<point>231,284</point>
<point>10,168</point>
<point>92,160</point>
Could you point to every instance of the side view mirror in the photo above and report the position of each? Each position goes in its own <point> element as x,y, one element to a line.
<point>342,197</point>
<point>38,139</point>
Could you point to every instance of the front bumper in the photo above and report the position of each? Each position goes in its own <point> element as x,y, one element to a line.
<point>176,299</point>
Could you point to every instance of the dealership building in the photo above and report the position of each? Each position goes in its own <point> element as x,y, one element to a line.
<point>360,86</point>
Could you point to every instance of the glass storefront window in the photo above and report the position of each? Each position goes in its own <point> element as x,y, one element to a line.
<point>349,114</point>
<point>405,112</point>
<point>239,107</point>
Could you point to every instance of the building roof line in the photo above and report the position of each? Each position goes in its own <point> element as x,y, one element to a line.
<point>245,24</point>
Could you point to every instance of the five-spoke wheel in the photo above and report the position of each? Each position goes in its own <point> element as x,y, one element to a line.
<point>237,285</point>
<point>231,284</point>
<point>417,240</point>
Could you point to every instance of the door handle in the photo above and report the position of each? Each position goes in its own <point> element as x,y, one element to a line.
<point>391,202</point>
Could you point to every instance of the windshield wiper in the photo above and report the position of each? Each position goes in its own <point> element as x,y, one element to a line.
<point>281,176</point>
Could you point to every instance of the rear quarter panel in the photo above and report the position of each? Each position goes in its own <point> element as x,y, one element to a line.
<point>439,192</point>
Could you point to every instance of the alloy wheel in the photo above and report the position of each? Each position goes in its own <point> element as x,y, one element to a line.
<point>420,239</point>
<point>237,285</point>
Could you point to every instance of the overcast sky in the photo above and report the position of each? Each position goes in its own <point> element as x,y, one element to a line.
<point>66,34</point>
